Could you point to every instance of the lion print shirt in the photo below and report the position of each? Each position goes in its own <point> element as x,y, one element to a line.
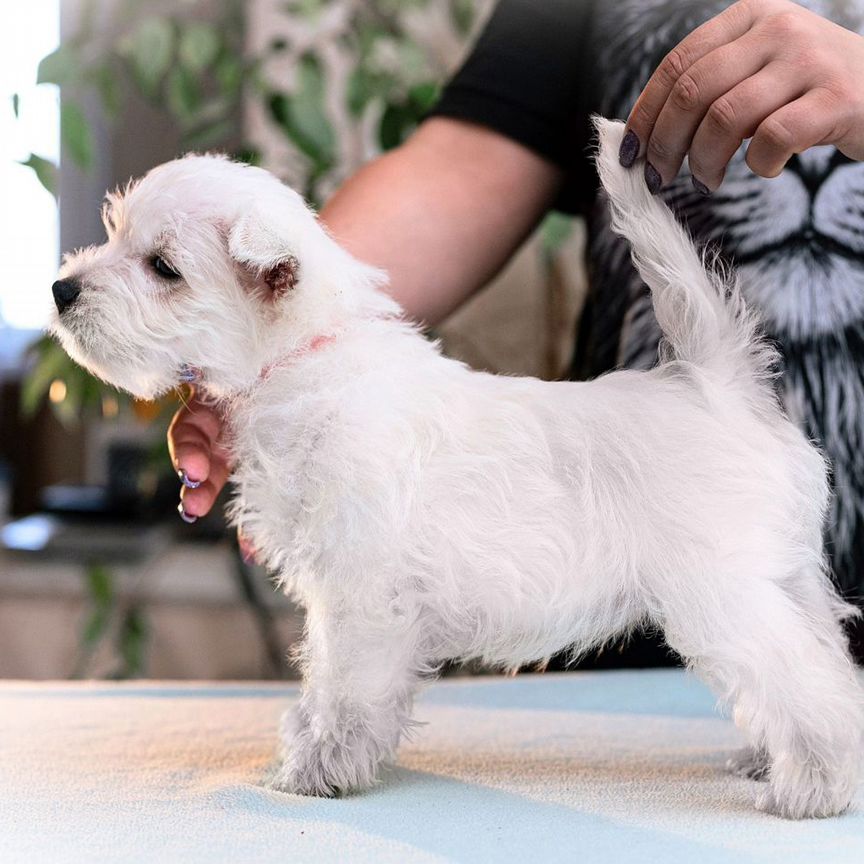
<point>538,71</point>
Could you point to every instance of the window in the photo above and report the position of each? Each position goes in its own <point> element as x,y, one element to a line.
<point>28,213</point>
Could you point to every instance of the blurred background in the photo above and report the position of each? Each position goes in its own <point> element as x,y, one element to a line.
<point>98,576</point>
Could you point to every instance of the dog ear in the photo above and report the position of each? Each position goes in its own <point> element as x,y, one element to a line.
<point>264,254</point>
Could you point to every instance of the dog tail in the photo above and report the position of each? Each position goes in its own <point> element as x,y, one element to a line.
<point>698,307</point>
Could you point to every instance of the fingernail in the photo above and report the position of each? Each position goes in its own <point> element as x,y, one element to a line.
<point>652,178</point>
<point>184,479</point>
<point>186,517</point>
<point>629,149</point>
<point>700,187</point>
<point>189,374</point>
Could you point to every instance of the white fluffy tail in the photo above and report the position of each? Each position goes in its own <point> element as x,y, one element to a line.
<point>698,308</point>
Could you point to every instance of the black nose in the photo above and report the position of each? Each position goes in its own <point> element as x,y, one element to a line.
<point>65,293</point>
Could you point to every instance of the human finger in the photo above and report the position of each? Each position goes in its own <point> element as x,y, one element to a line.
<point>692,97</point>
<point>734,117</point>
<point>726,27</point>
<point>194,430</point>
<point>796,126</point>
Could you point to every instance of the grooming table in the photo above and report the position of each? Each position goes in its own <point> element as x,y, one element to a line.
<point>589,767</point>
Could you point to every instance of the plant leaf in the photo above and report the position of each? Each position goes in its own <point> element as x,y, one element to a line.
<point>183,94</point>
<point>396,122</point>
<point>100,584</point>
<point>209,136</point>
<point>364,86</point>
<point>554,231</point>
<point>100,587</point>
<point>59,67</point>
<point>302,116</point>
<point>83,391</point>
<point>229,74</point>
<point>401,118</point>
<point>199,46</point>
<point>132,641</point>
<point>306,111</point>
<point>247,154</point>
<point>423,97</point>
<point>462,13</point>
<point>107,81</point>
<point>16,104</point>
<point>150,48</point>
<point>45,171</point>
<point>75,134</point>
<point>305,8</point>
<point>94,628</point>
<point>52,363</point>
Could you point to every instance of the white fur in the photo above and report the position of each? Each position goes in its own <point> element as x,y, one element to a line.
<point>421,511</point>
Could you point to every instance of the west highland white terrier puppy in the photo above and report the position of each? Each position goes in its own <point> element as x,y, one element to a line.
<point>421,511</point>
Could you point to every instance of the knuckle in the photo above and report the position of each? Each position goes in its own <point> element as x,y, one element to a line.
<point>641,116</point>
<point>759,165</point>
<point>673,66</point>
<point>659,150</point>
<point>749,10</point>
<point>784,24</point>
<point>723,116</point>
<point>686,93</point>
<point>809,58</point>
<point>700,167</point>
<point>840,96</point>
<point>776,135</point>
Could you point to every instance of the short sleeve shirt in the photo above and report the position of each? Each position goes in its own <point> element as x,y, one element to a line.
<point>538,71</point>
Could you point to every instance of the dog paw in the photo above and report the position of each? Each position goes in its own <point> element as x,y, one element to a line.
<point>805,793</point>
<point>751,763</point>
<point>303,777</point>
<point>325,765</point>
<point>802,806</point>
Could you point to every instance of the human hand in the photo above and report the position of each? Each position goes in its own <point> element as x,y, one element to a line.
<point>201,462</point>
<point>769,70</point>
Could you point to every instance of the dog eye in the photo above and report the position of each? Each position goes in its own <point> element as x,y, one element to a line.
<point>163,268</point>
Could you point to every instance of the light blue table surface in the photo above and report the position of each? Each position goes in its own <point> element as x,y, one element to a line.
<point>579,767</point>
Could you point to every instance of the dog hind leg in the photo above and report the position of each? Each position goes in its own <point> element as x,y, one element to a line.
<point>792,686</point>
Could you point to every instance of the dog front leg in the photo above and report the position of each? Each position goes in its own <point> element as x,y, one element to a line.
<point>359,680</point>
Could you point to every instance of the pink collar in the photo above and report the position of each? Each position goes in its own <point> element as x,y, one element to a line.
<point>316,343</point>
<point>194,375</point>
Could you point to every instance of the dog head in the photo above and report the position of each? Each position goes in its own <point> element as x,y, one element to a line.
<point>211,266</point>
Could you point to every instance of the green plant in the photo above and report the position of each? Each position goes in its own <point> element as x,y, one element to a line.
<point>108,620</point>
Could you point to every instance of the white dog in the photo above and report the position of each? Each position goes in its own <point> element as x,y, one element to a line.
<point>421,511</point>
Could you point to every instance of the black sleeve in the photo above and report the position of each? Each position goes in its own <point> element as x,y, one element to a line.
<point>529,78</point>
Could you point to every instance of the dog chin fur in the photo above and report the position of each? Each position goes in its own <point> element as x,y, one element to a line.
<point>421,511</point>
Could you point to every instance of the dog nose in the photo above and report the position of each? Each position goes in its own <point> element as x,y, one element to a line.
<point>65,293</point>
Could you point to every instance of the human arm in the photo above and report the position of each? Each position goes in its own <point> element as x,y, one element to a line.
<point>769,70</point>
<point>442,213</point>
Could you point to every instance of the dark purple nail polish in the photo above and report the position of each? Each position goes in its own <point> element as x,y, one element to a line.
<point>653,178</point>
<point>186,517</point>
<point>700,187</point>
<point>184,479</point>
<point>629,149</point>
<point>189,374</point>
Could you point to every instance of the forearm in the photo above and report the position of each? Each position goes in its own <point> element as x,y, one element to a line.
<point>443,212</point>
